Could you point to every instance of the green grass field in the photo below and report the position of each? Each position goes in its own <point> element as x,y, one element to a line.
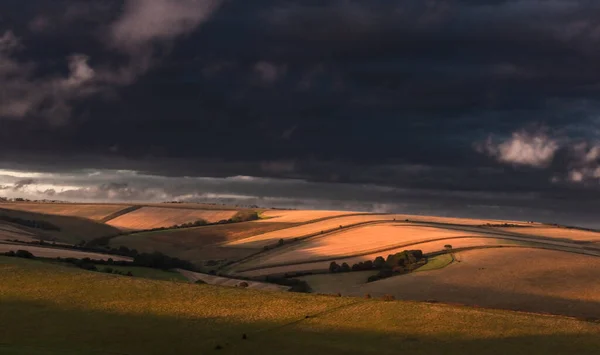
<point>437,262</point>
<point>50,309</point>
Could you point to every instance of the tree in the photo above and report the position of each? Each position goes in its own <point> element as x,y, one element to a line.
<point>345,267</point>
<point>379,262</point>
<point>334,267</point>
<point>280,242</point>
<point>448,247</point>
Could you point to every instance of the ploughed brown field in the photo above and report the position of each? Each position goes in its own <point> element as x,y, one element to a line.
<point>47,252</point>
<point>90,211</point>
<point>159,217</point>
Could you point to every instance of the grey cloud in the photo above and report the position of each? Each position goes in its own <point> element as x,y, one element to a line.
<point>19,185</point>
<point>534,149</point>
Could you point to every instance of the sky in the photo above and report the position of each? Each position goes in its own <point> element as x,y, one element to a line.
<point>477,108</point>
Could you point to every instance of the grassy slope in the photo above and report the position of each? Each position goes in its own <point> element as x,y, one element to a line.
<point>48,309</point>
<point>437,262</point>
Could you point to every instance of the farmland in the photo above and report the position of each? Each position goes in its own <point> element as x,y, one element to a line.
<point>526,279</point>
<point>199,243</point>
<point>46,311</point>
<point>10,232</point>
<point>160,217</point>
<point>229,282</point>
<point>90,211</point>
<point>47,252</point>
<point>301,216</point>
<point>558,233</point>
<point>303,230</point>
<point>71,229</point>
<point>360,240</point>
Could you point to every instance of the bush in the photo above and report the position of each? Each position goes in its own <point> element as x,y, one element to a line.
<point>243,284</point>
<point>334,267</point>
<point>108,270</point>
<point>368,296</point>
<point>345,268</point>
<point>379,262</point>
<point>388,298</point>
<point>24,254</point>
<point>200,282</point>
<point>9,253</point>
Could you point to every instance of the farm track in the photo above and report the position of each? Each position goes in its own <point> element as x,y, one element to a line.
<point>120,213</point>
<point>542,242</point>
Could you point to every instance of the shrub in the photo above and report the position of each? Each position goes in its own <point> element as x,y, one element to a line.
<point>334,267</point>
<point>24,254</point>
<point>345,267</point>
<point>199,282</point>
<point>243,284</point>
<point>388,298</point>
<point>368,296</point>
<point>9,253</point>
<point>379,262</point>
<point>108,270</point>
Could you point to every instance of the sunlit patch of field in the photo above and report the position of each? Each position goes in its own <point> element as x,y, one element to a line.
<point>158,217</point>
<point>303,230</point>
<point>360,240</point>
<point>48,309</point>
<point>512,278</point>
<point>90,211</point>
<point>230,282</point>
<point>557,232</point>
<point>426,246</point>
<point>48,252</point>
<point>299,216</point>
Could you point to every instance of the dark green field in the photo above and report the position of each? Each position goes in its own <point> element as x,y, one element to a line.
<point>51,309</point>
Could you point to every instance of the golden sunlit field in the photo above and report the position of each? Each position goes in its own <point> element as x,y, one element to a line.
<point>307,229</point>
<point>294,216</point>
<point>559,233</point>
<point>49,309</point>
<point>90,211</point>
<point>159,217</point>
<point>360,240</point>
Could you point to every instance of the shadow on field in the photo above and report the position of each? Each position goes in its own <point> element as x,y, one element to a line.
<point>36,328</point>
<point>72,229</point>
<point>430,288</point>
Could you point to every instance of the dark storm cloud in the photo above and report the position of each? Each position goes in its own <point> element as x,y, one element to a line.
<point>443,95</point>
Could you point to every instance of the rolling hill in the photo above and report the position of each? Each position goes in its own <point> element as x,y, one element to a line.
<point>49,309</point>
